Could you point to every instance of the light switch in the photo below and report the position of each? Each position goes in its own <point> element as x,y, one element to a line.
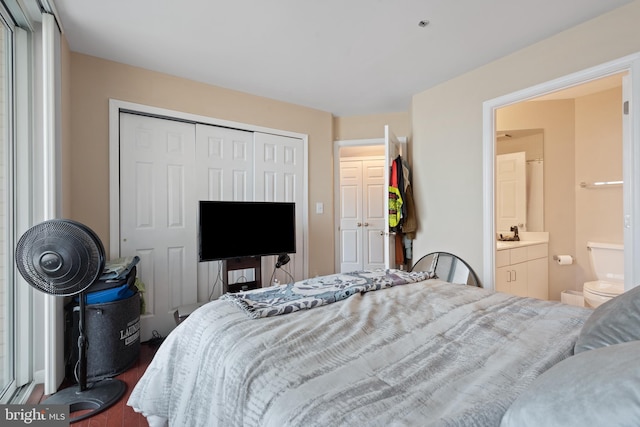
<point>319,207</point>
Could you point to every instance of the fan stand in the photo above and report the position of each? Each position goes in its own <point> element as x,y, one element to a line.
<point>100,396</point>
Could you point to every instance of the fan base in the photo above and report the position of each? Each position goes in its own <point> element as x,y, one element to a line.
<point>97,398</point>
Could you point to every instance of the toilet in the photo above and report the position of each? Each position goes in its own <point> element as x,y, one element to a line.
<point>607,262</point>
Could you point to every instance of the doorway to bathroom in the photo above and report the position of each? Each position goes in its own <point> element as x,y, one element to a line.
<point>567,140</point>
<point>587,140</point>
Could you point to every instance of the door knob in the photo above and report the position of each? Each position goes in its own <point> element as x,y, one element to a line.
<point>366,224</point>
<point>359,224</point>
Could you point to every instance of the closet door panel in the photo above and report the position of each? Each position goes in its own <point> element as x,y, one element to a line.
<point>224,171</point>
<point>374,205</point>
<point>351,230</point>
<point>279,174</point>
<point>214,184</point>
<point>224,163</point>
<point>157,220</point>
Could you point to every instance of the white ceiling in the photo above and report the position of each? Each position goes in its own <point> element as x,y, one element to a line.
<point>347,57</point>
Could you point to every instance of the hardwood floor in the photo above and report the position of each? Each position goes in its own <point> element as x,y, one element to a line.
<point>119,414</point>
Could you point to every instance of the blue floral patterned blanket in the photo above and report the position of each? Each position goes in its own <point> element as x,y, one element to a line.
<point>315,292</point>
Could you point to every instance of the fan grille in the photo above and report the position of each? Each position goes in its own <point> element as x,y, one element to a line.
<point>60,257</point>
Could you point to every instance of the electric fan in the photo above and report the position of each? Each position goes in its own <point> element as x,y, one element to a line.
<point>64,258</point>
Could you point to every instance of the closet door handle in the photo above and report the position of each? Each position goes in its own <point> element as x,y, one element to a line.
<point>366,224</point>
<point>359,224</point>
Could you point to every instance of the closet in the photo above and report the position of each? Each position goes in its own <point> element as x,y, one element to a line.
<point>362,216</point>
<point>165,167</point>
<point>361,177</point>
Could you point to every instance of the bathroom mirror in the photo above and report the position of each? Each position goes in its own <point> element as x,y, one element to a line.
<point>522,151</point>
<point>447,267</point>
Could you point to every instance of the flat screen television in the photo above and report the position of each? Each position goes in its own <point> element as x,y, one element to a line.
<point>229,229</point>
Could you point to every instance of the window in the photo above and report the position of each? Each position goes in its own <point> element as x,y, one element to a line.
<point>6,290</point>
<point>14,51</point>
<point>6,206</point>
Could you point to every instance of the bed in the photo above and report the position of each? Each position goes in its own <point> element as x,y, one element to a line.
<point>404,350</point>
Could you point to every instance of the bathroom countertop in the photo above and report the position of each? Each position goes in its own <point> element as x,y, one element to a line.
<point>527,238</point>
<point>510,245</point>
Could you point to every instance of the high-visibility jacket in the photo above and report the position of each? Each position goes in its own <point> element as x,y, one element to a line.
<point>395,207</point>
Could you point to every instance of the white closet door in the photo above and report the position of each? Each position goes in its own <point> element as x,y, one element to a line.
<point>373,211</point>
<point>224,171</point>
<point>351,234</point>
<point>279,172</point>
<point>157,178</point>
<point>362,214</point>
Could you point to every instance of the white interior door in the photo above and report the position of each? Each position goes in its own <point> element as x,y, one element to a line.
<point>373,211</point>
<point>224,172</point>
<point>279,172</point>
<point>157,171</point>
<point>391,150</point>
<point>351,257</point>
<point>362,214</point>
<point>511,191</point>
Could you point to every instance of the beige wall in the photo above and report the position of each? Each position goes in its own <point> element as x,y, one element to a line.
<point>599,212</point>
<point>557,119</point>
<point>447,126</point>
<point>94,81</point>
<point>371,126</point>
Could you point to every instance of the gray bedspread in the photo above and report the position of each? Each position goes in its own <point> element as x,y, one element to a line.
<point>421,354</point>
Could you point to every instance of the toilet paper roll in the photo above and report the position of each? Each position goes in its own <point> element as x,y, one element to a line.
<point>564,259</point>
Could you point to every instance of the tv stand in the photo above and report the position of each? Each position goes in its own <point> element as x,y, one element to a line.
<point>254,262</point>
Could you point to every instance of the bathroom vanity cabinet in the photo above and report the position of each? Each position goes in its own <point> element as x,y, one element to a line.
<point>523,270</point>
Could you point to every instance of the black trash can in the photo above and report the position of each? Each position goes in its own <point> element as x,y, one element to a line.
<point>112,330</point>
